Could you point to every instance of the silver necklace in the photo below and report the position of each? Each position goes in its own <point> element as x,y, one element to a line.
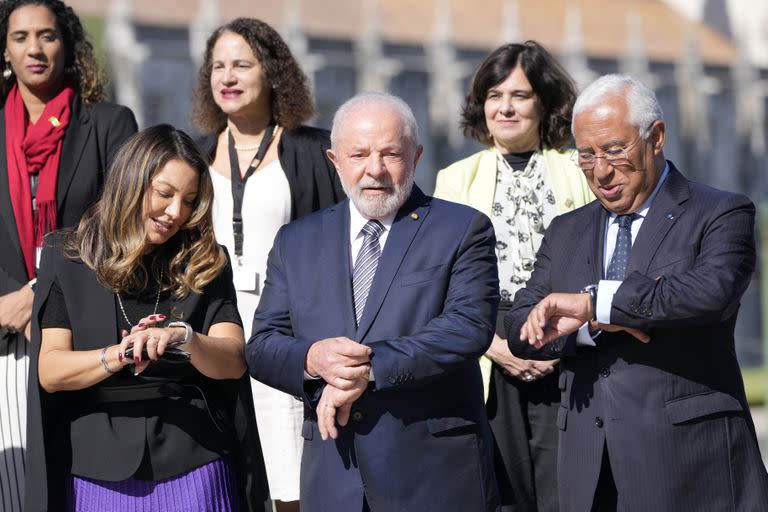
<point>157,300</point>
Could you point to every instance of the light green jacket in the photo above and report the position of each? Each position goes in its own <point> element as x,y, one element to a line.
<point>472,181</point>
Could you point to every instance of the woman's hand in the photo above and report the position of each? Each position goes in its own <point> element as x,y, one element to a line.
<point>154,340</point>
<point>526,370</point>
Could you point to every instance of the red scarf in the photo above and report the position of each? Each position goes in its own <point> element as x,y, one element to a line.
<point>34,149</point>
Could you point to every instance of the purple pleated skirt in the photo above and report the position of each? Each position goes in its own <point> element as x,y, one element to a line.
<point>208,488</point>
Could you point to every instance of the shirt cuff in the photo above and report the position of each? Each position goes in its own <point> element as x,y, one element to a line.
<point>309,377</point>
<point>605,292</point>
<point>583,336</point>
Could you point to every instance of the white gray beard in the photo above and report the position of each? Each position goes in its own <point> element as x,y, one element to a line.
<point>378,207</point>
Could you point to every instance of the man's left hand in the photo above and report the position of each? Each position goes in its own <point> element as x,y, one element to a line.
<point>16,309</point>
<point>335,405</point>
<point>557,315</point>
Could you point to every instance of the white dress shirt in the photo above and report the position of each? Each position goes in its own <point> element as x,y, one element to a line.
<point>356,235</point>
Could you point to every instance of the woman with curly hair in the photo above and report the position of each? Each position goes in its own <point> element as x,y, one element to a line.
<point>160,419</point>
<point>267,169</point>
<point>57,137</point>
<point>519,106</point>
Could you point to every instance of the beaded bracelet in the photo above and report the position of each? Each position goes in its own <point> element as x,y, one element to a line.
<point>104,361</point>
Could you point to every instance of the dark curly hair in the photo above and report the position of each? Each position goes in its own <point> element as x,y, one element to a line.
<point>80,64</point>
<point>551,84</point>
<point>291,100</point>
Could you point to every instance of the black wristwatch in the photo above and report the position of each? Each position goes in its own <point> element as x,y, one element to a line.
<point>591,289</point>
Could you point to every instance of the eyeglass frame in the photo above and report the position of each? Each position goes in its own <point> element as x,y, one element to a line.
<point>612,160</point>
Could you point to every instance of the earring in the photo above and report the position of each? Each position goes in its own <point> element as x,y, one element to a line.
<point>7,72</point>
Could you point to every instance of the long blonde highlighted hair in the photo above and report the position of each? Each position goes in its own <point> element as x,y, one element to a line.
<point>111,237</point>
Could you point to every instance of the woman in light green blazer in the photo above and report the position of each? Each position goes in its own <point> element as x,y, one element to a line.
<point>519,106</point>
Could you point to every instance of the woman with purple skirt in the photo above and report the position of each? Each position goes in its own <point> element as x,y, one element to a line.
<point>138,394</point>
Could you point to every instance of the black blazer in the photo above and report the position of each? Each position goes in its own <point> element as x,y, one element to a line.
<point>94,134</point>
<point>77,432</point>
<point>312,178</point>
<point>672,412</point>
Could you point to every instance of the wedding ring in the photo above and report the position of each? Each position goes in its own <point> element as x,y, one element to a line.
<point>528,377</point>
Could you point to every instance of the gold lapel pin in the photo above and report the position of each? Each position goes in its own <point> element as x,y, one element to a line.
<point>55,122</point>
<point>415,216</point>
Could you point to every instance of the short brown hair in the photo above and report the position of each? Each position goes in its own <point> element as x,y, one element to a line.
<point>551,84</point>
<point>291,98</point>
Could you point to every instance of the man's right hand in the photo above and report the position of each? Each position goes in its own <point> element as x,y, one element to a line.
<point>339,361</point>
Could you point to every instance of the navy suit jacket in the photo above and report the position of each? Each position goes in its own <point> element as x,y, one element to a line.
<point>418,438</point>
<point>672,413</point>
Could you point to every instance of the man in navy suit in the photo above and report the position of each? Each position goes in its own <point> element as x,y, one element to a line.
<point>375,312</point>
<point>653,413</point>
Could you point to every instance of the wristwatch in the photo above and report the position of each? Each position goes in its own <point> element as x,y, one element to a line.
<point>187,328</point>
<point>591,289</point>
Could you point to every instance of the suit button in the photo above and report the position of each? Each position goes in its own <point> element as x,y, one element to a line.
<point>598,422</point>
<point>605,372</point>
<point>357,416</point>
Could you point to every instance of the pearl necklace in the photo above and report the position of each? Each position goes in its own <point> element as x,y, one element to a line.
<point>240,148</point>
<point>157,300</point>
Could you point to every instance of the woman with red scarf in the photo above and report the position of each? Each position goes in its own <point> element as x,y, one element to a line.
<point>57,138</point>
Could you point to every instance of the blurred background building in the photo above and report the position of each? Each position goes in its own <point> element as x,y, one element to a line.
<point>706,59</point>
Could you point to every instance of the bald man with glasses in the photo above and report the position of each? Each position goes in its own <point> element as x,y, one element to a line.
<point>637,293</point>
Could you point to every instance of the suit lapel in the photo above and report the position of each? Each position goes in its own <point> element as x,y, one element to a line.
<point>337,287</point>
<point>75,140</point>
<point>407,223</point>
<point>596,240</point>
<point>6,208</point>
<point>664,212</point>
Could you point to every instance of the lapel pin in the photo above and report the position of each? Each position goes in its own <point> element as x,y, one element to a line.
<point>54,122</point>
<point>415,216</point>
<point>670,216</point>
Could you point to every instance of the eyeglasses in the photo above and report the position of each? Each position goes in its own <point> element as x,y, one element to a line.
<point>616,157</point>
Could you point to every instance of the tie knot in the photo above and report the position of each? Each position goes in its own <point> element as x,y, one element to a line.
<point>625,221</point>
<point>373,228</point>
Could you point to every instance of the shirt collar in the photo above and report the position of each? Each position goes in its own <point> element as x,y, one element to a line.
<point>643,210</point>
<point>357,221</point>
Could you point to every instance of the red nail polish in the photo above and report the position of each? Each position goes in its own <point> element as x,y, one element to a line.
<point>161,317</point>
<point>141,324</point>
<point>137,359</point>
<point>120,356</point>
<point>151,317</point>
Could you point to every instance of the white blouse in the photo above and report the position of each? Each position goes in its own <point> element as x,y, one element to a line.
<point>266,207</point>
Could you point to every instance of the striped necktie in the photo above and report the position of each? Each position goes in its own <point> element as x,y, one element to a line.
<point>620,258</point>
<point>365,266</point>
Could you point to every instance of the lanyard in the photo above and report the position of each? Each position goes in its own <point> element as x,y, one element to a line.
<point>238,183</point>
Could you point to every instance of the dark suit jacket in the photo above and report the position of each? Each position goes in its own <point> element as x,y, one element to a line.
<point>77,432</point>
<point>418,438</point>
<point>313,181</point>
<point>93,136</point>
<point>672,413</point>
